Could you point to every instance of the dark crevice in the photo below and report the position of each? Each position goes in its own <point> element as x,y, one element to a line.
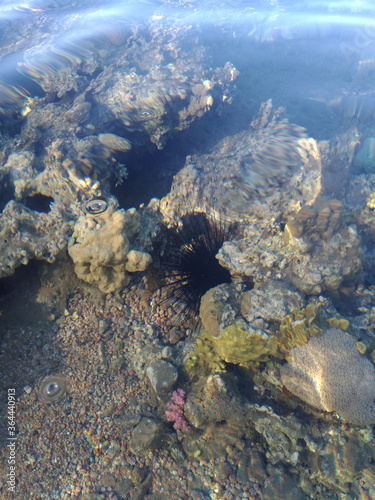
<point>38,202</point>
<point>6,191</point>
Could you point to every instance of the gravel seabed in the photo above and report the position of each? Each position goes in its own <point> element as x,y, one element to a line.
<point>77,448</point>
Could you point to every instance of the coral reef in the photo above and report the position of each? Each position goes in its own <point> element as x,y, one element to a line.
<point>99,248</point>
<point>94,84</point>
<point>298,327</point>
<point>329,374</point>
<point>94,96</point>
<point>251,173</point>
<point>236,343</point>
<point>38,208</point>
<point>319,220</point>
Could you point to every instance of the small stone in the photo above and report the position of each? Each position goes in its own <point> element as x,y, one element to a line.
<point>110,410</point>
<point>128,420</point>
<point>27,389</point>
<point>104,325</point>
<point>166,353</point>
<point>174,335</point>
<point>146,436</point>
<point>162,375</point>
<point>294,458</point>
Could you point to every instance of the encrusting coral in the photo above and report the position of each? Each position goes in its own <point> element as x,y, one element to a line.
<point>239,328</point>
<point>330,374</point>
<point>100,248</point>
<point>298,327</point>
<point>318,220</point>
<point>237,344</point>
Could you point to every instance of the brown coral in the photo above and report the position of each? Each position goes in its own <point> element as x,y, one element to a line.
<point>330,374</point>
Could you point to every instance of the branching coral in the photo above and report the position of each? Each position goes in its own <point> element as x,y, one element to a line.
<point>175,411</point>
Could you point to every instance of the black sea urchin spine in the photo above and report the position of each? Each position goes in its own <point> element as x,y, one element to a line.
<point>191,264</point>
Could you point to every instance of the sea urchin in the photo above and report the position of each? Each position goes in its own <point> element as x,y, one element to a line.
<point>190,262</point>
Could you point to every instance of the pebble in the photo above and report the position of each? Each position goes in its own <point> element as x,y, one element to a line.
<point>162,375</point>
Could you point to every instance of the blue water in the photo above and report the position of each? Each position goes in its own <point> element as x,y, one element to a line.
<point>306,56</point>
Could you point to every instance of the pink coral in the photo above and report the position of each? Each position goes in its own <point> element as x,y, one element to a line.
<point>175,410</point>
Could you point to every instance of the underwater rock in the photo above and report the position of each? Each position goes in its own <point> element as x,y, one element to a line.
<point>256,254</point>
<point>213,399</point>
<point>327,255</point>
<point>162,375</point>
<point>270,301</point>
<point>148,435</point>
<point>364,160</point>
<point>330,265</point>
<point>264,170</point>
<point>329,374</point>
<point>99,247</point>
<point>218,308</point>
<point>38,208</point>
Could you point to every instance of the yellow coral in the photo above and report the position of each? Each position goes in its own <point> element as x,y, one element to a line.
<point>236,344</point>
<point>204,360</point>
<point>341,323</point>
<point>371,201</point>
<point>243,346</point>
<point>298,327</point>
